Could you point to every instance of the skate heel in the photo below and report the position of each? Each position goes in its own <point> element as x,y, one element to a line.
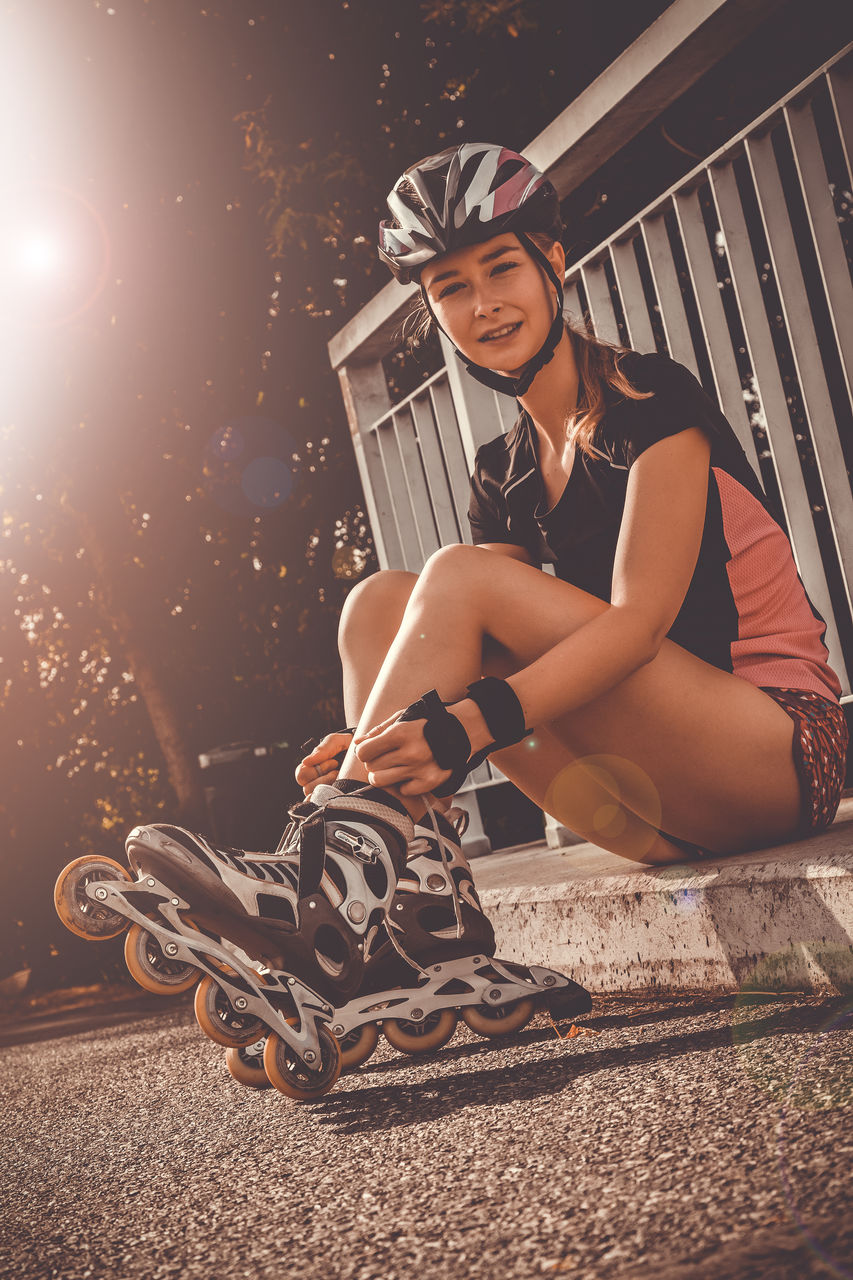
<point>436,913</point>
<point>567,1000</point>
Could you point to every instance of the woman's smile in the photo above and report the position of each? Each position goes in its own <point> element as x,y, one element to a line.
<point>501,334</point>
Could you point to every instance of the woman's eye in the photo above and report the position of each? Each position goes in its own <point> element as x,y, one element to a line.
<point>456,285</point>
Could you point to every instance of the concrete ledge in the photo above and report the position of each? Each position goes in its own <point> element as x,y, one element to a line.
<point>775,919</point>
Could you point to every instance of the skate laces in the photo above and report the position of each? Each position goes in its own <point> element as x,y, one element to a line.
<point>458,819</point>
<point>442,849</point>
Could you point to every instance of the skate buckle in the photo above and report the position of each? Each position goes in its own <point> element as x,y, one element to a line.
<point>358,846</point>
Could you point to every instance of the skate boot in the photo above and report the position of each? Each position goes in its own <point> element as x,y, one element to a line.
<point>435,959</point>
<point>278,940</point>
<point>435,916</point>
<point>432,959</point>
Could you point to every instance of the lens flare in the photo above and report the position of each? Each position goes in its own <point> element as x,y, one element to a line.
<point>820,1086</point>
<point>267,481</point>
<point>39,254</point>
<point>763,1009</point>
<point>247,466</point>
<point>599,796</point>
<point>682,886</point>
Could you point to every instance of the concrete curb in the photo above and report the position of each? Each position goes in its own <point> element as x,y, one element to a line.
<point>779,918</point>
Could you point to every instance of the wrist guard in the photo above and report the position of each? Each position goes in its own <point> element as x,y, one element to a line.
<point>447,739</point>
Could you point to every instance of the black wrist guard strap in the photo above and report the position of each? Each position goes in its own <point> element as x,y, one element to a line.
<point>446,738</point>
<point>501,710</point>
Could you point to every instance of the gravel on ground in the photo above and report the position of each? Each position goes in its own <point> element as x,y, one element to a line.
<point>680,1138</point>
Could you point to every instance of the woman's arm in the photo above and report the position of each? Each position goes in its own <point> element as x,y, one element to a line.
<point>656,554</point>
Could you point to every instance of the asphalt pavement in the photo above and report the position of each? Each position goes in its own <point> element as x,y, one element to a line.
<point>680,1138</point>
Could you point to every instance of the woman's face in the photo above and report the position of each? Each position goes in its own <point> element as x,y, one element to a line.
<point>493,300</point>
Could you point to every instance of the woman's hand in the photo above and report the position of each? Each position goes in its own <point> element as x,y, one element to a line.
<point>321,766</point>
<point>396,754</point>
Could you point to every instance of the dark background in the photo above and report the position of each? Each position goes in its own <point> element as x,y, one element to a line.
<point>214,175</point>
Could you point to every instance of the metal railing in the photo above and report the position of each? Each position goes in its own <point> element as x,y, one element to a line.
<point>741,273</point>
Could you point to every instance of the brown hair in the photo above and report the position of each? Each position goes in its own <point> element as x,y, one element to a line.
<point>597,363</point>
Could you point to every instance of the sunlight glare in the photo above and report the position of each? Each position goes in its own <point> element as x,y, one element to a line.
<point>39,253</point>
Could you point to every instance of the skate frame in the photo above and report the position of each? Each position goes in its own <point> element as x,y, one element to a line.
<point>482,987</point>
<point>243,986</point>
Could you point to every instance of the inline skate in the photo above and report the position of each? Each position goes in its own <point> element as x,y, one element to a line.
<point>275,943</point>
<point>431,960</point>
<point>301,956</point>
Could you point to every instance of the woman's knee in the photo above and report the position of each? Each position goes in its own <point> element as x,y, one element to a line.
<point>375,606</point>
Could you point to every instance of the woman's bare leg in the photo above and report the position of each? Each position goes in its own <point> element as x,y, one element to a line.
<point>698,751</point>
<point>372,616</point>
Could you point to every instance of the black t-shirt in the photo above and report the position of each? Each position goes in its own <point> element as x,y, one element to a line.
<point>725,619</point>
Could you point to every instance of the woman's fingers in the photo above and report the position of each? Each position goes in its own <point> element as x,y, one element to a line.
<point>322,762</point>
<point>417,782</point>
<point>377,728</point>
<point>405,737</point>
<point>395,754</point>
<point>325,779</point>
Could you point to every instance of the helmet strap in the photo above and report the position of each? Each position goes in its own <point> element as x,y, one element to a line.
<point>509,386</point>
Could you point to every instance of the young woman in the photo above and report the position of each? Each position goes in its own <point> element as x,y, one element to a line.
<point>666,693</point>
<point>673,670</point>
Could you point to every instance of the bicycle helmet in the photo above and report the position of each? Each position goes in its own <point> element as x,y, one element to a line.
<point>463,196</point>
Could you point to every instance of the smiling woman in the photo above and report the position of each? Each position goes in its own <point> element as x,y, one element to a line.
<point>666,693</point>
<point>658,645</point>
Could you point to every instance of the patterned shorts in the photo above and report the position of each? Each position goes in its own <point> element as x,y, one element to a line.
<point>820,759</point>
<point>820,753</point>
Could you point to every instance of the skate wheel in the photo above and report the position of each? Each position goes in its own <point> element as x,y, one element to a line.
<point>292,1077</point>
<point>76,909</point>
<point>246,1065</point>
<point>220,1021</point>
<point>153,970</point>
<point>498,1020</point>
<point>420,1037</point>
<point>358,1045</point>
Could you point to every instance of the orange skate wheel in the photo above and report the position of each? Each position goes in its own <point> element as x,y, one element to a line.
<point>220,1021</point>
<point>493,1021</point>
<point>247,1067</point>
<point>424,1036</point>
<point>358,1045</point>
<point>292,1077</point>
<point>77,911</point>
<point>153,970</point>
